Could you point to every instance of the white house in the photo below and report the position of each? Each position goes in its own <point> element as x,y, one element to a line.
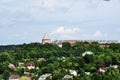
<point>87,52</point>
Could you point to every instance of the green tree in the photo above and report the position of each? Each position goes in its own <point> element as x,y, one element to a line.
<point>115,47</point>
<point>108,60</point>
<point>66,45</point>
<point>4,56</point>
<point>24,78</point>
<point>6,74</point>
<point>97,76</point>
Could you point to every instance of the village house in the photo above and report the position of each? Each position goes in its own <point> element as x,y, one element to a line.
<point>102,69</point>
<point>11,66</point>
<point>30,65</point>
<point>87,52</point>
<point>41,59</point>
<point>14,77</point>
<point>44,76</point>
<point>73,72</point>
<point>66,77</point>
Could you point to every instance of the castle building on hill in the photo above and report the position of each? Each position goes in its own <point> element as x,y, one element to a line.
<point>46,39</point>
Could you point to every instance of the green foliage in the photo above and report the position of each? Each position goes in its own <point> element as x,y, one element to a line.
<point>115,47</point>
<point>5,56</point>
<point>66,45</point>
<point>24,78</point>
<point>59,60</point>
<point>6,74</point>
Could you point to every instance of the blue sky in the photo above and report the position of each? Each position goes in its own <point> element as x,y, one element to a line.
<point>25,21</point>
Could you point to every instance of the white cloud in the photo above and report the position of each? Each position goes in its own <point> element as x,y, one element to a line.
<point>66,31</point>
<point>96,35</point>
<point>53,5</point>
<point>5,1</point>
<point>99,34</point>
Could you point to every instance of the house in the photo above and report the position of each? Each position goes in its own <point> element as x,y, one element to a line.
<point>67,77</point>
<point>102,69</point>
<point>114,66</point>
<point>44,76</point>
<point>88,73</point>
<point>11,66</point>
<point>14,77</point>
<point>41,59</point>
<point>87,52</point>
<point>27,74</point>
<point>30,65</point>
<point>73,72</point>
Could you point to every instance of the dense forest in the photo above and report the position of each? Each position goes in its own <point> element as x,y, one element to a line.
<point>87,61</point>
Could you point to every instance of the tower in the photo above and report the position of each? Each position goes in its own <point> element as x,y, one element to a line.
<point>46,39</point>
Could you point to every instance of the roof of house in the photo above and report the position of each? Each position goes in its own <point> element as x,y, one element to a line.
<point>102,69</point>
<point>14,77</point>
<point>41,59</point>
<point>11,66</point>
<point>44,76</point>
<point>30,64</point>
<point>68,77</point>
<point>46,36</point>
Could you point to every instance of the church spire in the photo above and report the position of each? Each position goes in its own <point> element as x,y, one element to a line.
<point>46,39</point>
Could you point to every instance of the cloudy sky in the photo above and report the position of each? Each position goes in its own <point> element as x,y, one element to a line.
<point>25,21</point>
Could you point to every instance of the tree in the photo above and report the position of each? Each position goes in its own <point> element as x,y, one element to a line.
<point>66,45</point>
<point>108,60</point>
<point>4,56</point>
<point>115,47</point>
<point>6,74</point>
<point>89,58</point>
<point>115,58</point>
<point>57,75</point>
<point>24,78</point>
<point>100,62</point>
<point>97,76</point>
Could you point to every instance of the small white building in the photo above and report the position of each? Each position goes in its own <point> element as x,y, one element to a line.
<point>87,52</point>
<point>73,72</point>
<point>67,77</point>
<point>44,76</point>
<point>114,66</point>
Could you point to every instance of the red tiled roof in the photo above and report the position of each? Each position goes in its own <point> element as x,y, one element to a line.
<point>41,59</point>
<point>14,77</point>
<point>30,64</point>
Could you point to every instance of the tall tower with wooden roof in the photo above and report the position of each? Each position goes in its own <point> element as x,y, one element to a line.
<point>46,39</point>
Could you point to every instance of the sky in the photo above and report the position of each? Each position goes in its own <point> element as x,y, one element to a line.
<point>26,21</point>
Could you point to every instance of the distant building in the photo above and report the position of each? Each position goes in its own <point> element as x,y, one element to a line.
<point>101,42</point>
<point>46,39</point>
<point>89,41</point>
